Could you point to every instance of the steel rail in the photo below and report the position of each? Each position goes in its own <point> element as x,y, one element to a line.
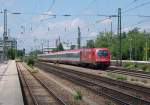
<point>35,102</point>
<point>59,100</point>
<point>136,99</point>
<point>129,72</point>
<point>100,79</point>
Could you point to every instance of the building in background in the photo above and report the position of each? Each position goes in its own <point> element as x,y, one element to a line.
<point>10,43</point>
<point>48,50</point>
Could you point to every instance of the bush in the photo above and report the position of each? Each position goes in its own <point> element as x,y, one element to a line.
<point>148,69</point>
<point>131,66</point>
<point>30,61</point>
<point>145,68</point>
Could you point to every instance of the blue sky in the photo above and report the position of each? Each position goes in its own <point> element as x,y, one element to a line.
<point>31,27</point>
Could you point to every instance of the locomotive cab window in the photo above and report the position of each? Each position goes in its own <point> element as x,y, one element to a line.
<point>102,53</point>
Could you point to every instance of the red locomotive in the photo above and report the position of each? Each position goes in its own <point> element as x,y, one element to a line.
<point>95,57</point>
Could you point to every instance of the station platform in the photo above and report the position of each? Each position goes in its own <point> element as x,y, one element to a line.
<point>10,89</point>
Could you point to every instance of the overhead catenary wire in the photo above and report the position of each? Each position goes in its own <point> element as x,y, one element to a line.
<point>141,16</point>
<point>47,13</point>
<point>68,15</point>
<point>130,4</point>
<point>73,15</point>
<point>133,8</point>
<point>52,4</point>
<point>138,23</point>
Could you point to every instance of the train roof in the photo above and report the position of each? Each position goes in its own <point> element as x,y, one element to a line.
<point>77,50</point>
<point>74,51</point>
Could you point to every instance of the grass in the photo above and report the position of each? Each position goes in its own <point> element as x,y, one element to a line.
<point>117,76</point>
<point>121,77</point>
<point>30,62</point>
<point>126,65</point>
<point>129,65</point>
<point>134,79</point>
<point>32,69</point>
<point>109,102</point>
<point>144,81</point>
<point>110,74</point>
<point>144,67</point>
<point>78,95</point>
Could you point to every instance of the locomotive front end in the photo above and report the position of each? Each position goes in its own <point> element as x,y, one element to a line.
<point>102,57</point>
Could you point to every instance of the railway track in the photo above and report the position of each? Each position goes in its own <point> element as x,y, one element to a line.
<point>133,72</point>
<point>103,86</point>
<point>36,91</point>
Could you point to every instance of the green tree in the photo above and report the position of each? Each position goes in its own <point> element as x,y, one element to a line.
<point>134,42</point>
<point>114,47</point>
<point>11,53</point>
<point>90,44</point>
<point>138,42</point>
<point>60,47</point>
<point>103,40</point>
<point>20,53</point>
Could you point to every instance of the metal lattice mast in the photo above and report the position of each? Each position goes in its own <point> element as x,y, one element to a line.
<point>120,36</point>
<point>79,38</point>
<point>119,55</point>
<point>5,37</point>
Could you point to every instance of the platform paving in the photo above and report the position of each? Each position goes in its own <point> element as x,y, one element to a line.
<point>10,90</point>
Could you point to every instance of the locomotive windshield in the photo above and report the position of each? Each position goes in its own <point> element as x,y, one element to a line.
<point>102,53</point>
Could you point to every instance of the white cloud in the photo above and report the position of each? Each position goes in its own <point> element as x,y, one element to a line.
<point>77,22</point>
<point>94,34</point>
<point>106,21</point>
<point>57,28</point>
<point>67,24</point>
<point>146,28</point>
<point>66,29</point>
<point>126,29</point>
<point>43,16</point>
<point>39,32</point>
<point>142,28</point>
